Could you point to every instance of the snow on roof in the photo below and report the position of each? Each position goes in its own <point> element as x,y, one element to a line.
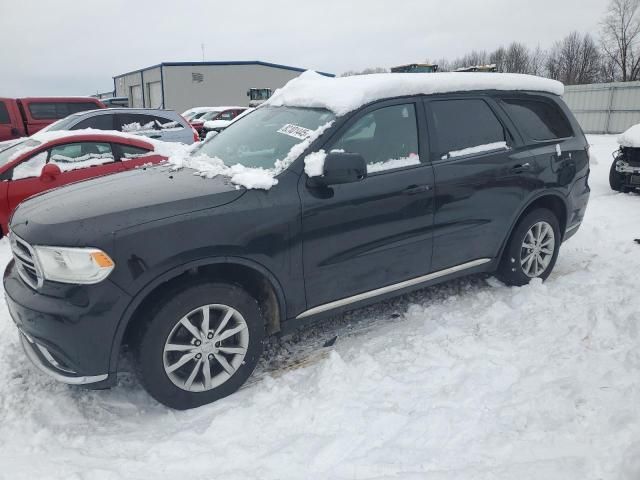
<point>342,95</point>
<point>630,138</point>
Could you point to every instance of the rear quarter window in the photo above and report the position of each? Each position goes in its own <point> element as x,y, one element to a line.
<point>538,119</point>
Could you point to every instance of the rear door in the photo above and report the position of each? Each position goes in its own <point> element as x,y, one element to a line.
<point>77,161</point>
<point>549,136</point>
<point>482,173</point>
<point>134,157</point>
<point>362,236</point>
<point>11,125</point>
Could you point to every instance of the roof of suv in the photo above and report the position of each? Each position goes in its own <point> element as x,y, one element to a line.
<point>342,95</point>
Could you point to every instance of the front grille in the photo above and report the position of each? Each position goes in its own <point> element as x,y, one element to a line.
<point>26,261</point>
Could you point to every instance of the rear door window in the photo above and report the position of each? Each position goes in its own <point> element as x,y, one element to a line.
<point>539,120</point>
<point>140,122</point>
<point>127,152</point>
<point>466,127</point>
<point>4,113</point>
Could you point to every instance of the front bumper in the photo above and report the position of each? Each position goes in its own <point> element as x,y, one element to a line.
<point>67,331</point>
<point>46,363</point>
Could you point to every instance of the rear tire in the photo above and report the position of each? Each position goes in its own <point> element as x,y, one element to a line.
<point>201,345</point>
<point>616,179</point>
<point>532,249</point>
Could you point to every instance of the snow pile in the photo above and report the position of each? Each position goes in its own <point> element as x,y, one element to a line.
<point>630,138</point>
<point>411,160</point>
<point>30,169</point>
<point>239,175</point>
<point>466,380</point>
<point>137,127</point>
<point>314,163</point>
<point>488,147</point>
<point>345,94</point>
<point>67,164</point>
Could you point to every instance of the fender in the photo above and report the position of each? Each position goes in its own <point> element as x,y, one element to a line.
<point>536,196</point>
<point>142,294</point>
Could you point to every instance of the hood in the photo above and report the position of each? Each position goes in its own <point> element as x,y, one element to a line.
<point>77,213</point>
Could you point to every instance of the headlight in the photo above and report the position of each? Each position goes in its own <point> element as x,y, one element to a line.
<point>73,265</point>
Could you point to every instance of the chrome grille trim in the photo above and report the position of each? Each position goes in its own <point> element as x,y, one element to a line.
<point>26,262</point>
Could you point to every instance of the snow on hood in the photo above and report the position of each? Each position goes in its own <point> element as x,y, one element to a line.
<point>343,95</point>
<point>630,138</point>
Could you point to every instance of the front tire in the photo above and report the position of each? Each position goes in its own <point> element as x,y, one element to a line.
<point>201,345</point>
<point>532,249</point>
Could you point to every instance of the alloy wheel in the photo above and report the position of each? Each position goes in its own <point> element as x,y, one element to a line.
<point>537,249</point>
<point>205,347</point>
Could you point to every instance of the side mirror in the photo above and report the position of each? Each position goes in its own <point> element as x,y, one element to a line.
<point>342,167</point>
<point>50,171</point>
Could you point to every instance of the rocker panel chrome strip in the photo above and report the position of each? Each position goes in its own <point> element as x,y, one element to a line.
<point>391,288</point>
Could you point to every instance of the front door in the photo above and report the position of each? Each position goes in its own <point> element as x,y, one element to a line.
<point>361,236</point>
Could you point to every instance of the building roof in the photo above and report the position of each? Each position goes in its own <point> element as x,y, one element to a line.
<point>222,63</point>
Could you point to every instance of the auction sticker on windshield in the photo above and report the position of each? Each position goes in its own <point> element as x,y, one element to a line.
<point>295,131</point>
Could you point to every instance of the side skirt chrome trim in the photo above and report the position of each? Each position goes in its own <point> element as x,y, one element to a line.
<point>572,227</point>
<point>391,288</point>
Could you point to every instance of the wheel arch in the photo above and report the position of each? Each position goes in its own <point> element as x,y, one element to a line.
<point>250,275</point>
<point>552,201</point>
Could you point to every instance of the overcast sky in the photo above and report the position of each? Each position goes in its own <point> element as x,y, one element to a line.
<point>75,47</point>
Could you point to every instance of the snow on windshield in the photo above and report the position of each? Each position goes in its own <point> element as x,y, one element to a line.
<point>251,177</point>
<point>258,148</point>
<point>345,94</point>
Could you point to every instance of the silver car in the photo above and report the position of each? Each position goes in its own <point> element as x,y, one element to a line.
<point>165,125</point>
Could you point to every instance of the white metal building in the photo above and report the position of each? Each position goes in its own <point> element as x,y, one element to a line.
<point>605,107</point>
<point>182,85</point>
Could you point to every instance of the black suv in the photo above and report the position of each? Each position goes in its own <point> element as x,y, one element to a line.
<point>193,272</point>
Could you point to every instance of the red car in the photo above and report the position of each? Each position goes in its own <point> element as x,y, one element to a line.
<point>52,159</point>
<point>214,113</point>
<point>21,117</point>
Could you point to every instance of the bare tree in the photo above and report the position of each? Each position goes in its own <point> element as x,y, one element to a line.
<point>620,36</point>
<point>516,58</point>
<point>537,59</point>
<point>574,60</point>
<point>366,71</point>
<point>498,57</point>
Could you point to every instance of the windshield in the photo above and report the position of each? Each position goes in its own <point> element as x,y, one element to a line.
<point>14,150</point>
<point>210,115</point>
<point>264,136</point>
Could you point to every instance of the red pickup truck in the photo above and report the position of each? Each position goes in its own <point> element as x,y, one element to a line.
<point>22,117</point>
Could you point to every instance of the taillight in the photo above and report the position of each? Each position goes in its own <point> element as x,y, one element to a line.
<point>196,136</point>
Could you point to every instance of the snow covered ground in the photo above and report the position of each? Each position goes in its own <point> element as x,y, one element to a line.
<point>468,380</point>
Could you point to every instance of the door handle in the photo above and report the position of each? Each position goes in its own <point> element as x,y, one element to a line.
<point>525,167</point>
<point>415,189</point>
